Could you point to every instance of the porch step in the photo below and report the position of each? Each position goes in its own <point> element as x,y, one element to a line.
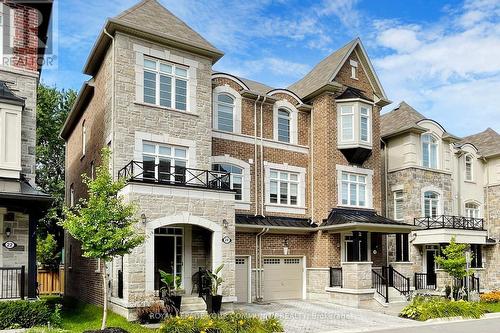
<point>193,304</point>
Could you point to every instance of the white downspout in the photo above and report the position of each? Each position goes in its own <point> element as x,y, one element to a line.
<point>112,103</point>
<point>261,297</point>
<point>255,154</point>
<point>311,148</point>
<point>262,158</point>
<point>386,194</point>
<point>487,199</point>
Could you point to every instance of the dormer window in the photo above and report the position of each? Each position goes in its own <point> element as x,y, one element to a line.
<point>354,69</point>
<point>468,168</point>
<point>429,151</point>
<point>354,125</point>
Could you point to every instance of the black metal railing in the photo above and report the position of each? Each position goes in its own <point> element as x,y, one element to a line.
<point>425,281</point>
<point>147,172</point>
<point>398,281</point>
<point>381,285</point>
<point>335,276</point>
<point>473,283</point>
<point>12,282</point>
<point>450,222</point>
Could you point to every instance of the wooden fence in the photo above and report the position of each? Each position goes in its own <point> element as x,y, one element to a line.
<point>50,282</point>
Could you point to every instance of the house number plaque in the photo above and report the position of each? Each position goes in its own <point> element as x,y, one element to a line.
<point>9,245</point>
<point>226,240</point>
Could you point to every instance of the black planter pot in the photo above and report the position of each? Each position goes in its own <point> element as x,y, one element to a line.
<point>214,303</point>
<point>177,302</point>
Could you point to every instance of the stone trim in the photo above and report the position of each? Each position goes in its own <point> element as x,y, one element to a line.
<point>236,111</point>
<point>369,184</point>
<point>293,120</point>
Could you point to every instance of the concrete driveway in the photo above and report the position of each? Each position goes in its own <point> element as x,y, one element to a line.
<point>306,316</point>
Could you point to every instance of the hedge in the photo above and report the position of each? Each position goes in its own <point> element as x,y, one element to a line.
<point>25,314</point>
<point>424,308</point>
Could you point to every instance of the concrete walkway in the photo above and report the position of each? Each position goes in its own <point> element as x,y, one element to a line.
<point>300,316</point>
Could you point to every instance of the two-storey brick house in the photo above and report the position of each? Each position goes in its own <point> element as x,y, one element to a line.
<point>447,187</point>
<point>279,184</point>
<point>23,27</point>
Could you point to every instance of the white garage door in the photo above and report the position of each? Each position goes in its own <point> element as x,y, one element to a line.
<point>282,278</point>
<point>241,279</point>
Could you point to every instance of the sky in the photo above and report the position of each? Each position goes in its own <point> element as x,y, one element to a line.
<point>441,57</point>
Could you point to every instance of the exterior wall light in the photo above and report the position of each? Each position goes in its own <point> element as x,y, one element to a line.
<point>143,218</point>
<point>7,232</point>
<point>225,223</point>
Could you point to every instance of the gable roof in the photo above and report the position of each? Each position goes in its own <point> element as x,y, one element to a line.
<point>325,71</point>
<point>151,20</point>
<point>403,117</point>
<point>487,142</point>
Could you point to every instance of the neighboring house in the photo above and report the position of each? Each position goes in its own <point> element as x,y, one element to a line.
<point>21,205</point>
<point>447,186</point>
<point>285,186</point>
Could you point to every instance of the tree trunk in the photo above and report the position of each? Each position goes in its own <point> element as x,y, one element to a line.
<point>105,298</point>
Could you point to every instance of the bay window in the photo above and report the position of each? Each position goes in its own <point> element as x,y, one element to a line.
<point>347,122</point>
<point>353,189</point>
<point>165,84</point>
<point>354,125</point>
<point>284,188</point>
<point>164,163</point>
<point>429,151</point>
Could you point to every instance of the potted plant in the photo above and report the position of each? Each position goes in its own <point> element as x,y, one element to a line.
<point>214,301</point>
<point>169,292</point>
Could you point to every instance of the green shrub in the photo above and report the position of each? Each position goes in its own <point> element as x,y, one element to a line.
<point>424,308</point>
<point>228,323</point>
<point>25,314</point>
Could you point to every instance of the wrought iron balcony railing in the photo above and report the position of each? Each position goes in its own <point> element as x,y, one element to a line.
<point>450,222</point>
<point>164,173</point>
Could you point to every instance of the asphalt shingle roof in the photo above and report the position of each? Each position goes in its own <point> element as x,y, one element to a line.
<point>487,142</point>
<point>402,117</point>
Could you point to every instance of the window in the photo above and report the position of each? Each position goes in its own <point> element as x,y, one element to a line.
<point>164,163</point>
<point>347,122</point>
<point>402,247</point>
<point>468,167</point>
<point>71,195</point>
<point>354,69</point>
<point>225,112</point>
<point>477,256</point>
<point>283,125</point>
<point>165,84</point>
<point>471,209</point>
<point>353,189</point>
<point>429,151</point>
<point>356,246</point>
<point>431,204</point>
<point>364,124</point>
<point>284,188</point>
<point>84,138</point>
<point>398,206</point>
<point>236,179</point>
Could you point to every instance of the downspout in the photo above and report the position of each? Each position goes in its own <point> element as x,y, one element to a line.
<point>258,263</point>
<point>459,185</point>
<point>261,297</point>
<point>262,158</point>
<point>112,102</point>
<point>487,205</point>
<point>311,152</point>
<point>386,189</point>
<point>255,154</point>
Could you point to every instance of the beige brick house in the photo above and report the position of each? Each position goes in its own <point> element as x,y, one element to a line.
<point>447,186</point>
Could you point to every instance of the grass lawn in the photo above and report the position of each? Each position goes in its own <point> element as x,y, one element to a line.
<point>79,317</point>
<point>492,307</point>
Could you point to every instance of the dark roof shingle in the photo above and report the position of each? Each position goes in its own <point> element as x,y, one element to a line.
<point>487,142</point>
<point>349,215</point>
<point>273,221</point>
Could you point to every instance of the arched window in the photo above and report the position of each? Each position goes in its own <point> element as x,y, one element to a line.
<point>468,168</point>
<point>471,209</point>
<point>429,151</point>
<point>236,178</point>
<point>431,204</point>
<point>225,112</point>
<point>283,125</point>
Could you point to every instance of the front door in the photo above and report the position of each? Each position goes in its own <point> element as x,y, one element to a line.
<point>431,267</point>
<point>168,253</point>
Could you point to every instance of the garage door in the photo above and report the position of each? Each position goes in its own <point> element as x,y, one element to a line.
<point>282,278</point>
<point>241,279</point>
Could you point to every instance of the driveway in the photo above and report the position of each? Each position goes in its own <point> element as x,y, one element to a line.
<point>306,316</point>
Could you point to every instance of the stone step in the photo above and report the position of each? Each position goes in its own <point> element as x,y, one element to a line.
<point>192,300</point>
<point>193,305</point>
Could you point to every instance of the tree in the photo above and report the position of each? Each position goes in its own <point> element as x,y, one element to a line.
<point>52,108</point>
<point>103,223</point>
<point>454,261</point>
<point>47,252</point>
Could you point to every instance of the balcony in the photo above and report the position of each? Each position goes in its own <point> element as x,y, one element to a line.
<point>450,222</point>
<point>165,174</point>
<point>440,229</point>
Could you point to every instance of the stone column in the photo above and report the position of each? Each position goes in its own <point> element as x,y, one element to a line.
<point>357,275</point>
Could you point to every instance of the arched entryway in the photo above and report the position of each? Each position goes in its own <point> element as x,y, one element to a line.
<point>180,244</point>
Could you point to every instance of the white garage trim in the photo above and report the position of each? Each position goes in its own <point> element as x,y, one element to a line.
<point>249,277</point>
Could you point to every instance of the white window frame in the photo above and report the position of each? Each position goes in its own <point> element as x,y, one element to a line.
<point>354,69</point>
<point>352,109</point>
<point>172,156</point>
<point>71,195</point>
<point>471,163</point>
<point>232,176</point>
<point>301,190</point>
<point>432,203</point>
<point>346,114</point>
<point>279,180</point>
<point>84,138</point>
<point>368,173</point>
<point>398,195</point>
<point>244,203</point>
<point>287,118</point>
<point>476,211</point>
<point>366,116</point>
<point>429,144</point>
<point>173,76</point>
<point>236,110</point>
<point>293,113</point>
